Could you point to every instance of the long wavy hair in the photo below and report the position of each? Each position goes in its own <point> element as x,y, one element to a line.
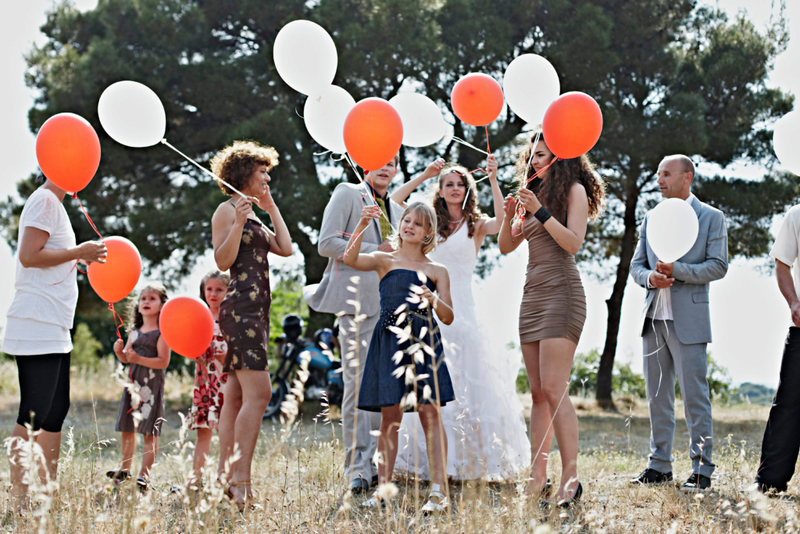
<point>135,319</point>
<point>428,217</point>
<point>553,191</point>
<point>470,212</point>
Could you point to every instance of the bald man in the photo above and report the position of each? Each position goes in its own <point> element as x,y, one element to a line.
<point>676,329</point>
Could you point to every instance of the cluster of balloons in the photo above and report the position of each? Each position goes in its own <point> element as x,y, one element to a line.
<point>372,130</point>
<point>68,153</point>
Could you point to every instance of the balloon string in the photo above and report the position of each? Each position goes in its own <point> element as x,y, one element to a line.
<point>214,176</point>
<point>533,149</point>
<point>519,216</point>
<point>459,140</point>
<point>486,129</point>
<point>116,316</point>
<point>86,214</point>
<point>361,180</point>
<point>74,266</point>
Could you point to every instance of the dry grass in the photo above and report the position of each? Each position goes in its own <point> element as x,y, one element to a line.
<point>298,474</point>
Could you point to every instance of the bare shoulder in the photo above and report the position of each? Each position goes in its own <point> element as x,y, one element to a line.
<point>577,191</point>
<point>438,272</point>
<point>224,212</point>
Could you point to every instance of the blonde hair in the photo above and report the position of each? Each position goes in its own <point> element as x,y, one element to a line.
<point>428,217</point>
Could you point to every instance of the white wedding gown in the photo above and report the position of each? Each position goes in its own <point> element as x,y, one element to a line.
<point>486,434</point>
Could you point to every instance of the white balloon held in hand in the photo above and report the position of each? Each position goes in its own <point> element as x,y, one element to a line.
<point>672,229</point>
<point>132,114</point>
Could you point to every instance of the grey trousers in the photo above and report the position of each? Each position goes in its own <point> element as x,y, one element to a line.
<point>357,425</point>
<point>690,364</point>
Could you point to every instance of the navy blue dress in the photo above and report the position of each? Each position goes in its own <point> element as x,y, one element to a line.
<point>380,385</point>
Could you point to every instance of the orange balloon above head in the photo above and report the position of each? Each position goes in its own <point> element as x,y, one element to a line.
<point>477,99</point>
<point>187,326</point>
<point>115,279</point>
<point>373,133</point>
<point>572,125</point>
<point>68,151</point>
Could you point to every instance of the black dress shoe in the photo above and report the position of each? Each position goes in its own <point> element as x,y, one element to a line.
<point>359,485</point>
<point>374,483</point>
<point>566,503</point>
<point>651,477</point>
<point>696,483</point>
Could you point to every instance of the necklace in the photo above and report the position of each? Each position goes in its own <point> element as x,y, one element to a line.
<point>458,221</point>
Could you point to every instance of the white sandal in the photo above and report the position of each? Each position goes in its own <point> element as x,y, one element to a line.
<point>374,502</point>
<point>441,504</point>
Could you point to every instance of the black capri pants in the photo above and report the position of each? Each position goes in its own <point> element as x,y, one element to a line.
<point>43,390</point>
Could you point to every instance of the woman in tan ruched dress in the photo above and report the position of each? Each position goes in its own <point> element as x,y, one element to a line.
<point>551,214</point>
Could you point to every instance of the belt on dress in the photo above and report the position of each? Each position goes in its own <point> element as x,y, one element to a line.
<point>389,317</point>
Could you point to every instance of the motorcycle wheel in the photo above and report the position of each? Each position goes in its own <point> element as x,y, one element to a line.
<point>279,391</point>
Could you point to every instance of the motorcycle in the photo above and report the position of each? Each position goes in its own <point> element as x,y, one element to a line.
<point>324,372</point>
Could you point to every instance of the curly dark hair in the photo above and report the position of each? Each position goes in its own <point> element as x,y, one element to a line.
<point>212,274</point>
<point>135,319</point>
<point>471,212</point>
<point>554,191</point>
<point>237,162</point>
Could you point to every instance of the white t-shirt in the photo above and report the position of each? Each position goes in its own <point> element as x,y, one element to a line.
<point>43,308</point>
<point>786,246</point>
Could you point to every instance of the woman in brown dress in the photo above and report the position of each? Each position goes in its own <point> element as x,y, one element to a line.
<point>553,310</point>
<point>241,243</point>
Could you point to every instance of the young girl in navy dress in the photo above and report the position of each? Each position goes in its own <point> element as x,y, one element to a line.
<point>405,368</point>
<point>207,396</point>
<point>141,409</point>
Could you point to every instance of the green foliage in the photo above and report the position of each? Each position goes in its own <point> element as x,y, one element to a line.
<point>583,377</point>
<point>85,348</point>
<point>754,394</point>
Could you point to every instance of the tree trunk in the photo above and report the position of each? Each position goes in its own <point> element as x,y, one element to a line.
<point>614,302</point>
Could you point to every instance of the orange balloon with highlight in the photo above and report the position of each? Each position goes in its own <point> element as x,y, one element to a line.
<point>68,151</point>
<point>373,133</point>
<point>477,99</point>
<point>115,279</point>
<point>187,326</point>
<point>572,125</point>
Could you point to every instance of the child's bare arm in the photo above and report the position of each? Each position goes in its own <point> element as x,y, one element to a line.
<point>374,261</point>
<point>159,362</point>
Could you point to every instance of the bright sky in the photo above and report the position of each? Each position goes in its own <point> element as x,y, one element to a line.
<point>749,317</point>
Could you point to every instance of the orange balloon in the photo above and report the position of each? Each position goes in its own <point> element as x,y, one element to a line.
<point>187,326</point>
<point>477,99</point>
<point>572,125</point>
<point>115,279</point>
<point>373,133</point>
<point>68,151</point>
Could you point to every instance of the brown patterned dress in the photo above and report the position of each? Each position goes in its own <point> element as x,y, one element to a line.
<point>244,314</point>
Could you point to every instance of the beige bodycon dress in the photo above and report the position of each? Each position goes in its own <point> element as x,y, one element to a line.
<point>553,302</point>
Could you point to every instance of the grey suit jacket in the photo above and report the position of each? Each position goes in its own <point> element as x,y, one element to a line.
<point>705,262</point>
<point>342,215</point>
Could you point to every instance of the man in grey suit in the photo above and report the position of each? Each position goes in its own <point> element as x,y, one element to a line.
<point>357,303</point>
<point>676,329</point>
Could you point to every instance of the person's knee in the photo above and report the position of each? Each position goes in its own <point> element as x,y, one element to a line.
<point>553,394</point>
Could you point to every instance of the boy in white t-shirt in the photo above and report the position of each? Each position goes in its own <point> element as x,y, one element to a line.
<point>781,443</point>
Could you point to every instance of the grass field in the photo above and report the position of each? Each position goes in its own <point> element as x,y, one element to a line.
<point>298,475</point>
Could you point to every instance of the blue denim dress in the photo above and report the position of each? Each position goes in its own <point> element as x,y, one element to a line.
<point>380,384</point>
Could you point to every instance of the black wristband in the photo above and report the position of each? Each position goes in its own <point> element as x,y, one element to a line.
<point>542,215</point>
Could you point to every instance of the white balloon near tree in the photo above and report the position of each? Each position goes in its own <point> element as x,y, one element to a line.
<point>672,228</point>
<point>423,124</point>
<point>324,117</point>
<point>786,141</point>
<point>132,114</point>
<point>305,56</point>
<point>530,85</point>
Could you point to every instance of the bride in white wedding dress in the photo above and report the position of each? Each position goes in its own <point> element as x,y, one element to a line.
<point>486,431</point>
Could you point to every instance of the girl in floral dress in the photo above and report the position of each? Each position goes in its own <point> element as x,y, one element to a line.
<point>208,374</point>
<point>141,409</point>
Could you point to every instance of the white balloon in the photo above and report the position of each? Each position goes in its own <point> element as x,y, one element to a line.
<point>530,85</point>
<point>672,229</point>
<point>324,117</point>
<point>132,114</point>
<point>305,56</point>
<point>423,123</point>
<point>786,141</point>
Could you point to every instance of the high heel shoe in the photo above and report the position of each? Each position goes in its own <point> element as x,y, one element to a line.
<point>567,503</point>
<point>547,491</point>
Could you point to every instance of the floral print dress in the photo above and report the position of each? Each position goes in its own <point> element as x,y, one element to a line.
<point>141,408</point>
<point>208,380</point>
<point>244,314</point>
